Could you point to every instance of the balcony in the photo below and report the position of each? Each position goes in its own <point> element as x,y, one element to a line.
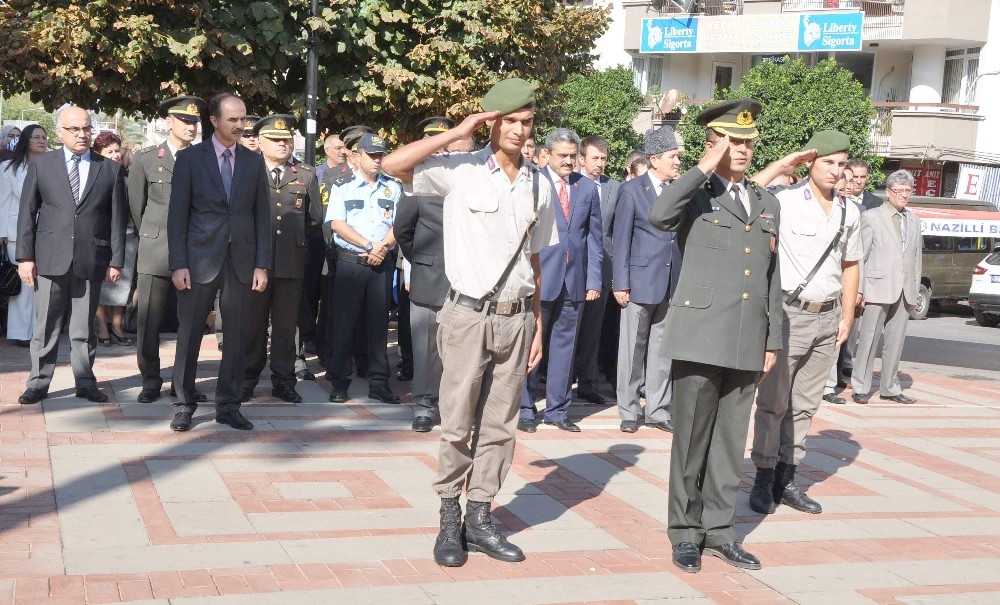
<point>883,18</point>
<point>931,131</point>
<point>692,7</point>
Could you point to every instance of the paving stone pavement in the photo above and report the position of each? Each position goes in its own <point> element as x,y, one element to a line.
<point>331,503</point>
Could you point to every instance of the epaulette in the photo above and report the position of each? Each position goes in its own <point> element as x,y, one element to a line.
<point>343,179</point>
<point>393,179</point>
<point>148,149</point>
<point>755,187</point>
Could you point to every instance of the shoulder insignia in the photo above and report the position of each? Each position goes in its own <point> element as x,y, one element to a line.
<point>148,149</point>
<point>343,179</point>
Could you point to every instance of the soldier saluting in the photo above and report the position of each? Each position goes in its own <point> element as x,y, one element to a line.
<point>723,330</point>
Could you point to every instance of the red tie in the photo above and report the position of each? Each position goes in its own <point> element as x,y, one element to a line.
<point>564,198</point>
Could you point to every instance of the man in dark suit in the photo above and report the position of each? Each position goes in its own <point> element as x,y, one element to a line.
<point>70,237</point>
<point>148,196</point>
<point>596,348</point>
<point>723,330</point>
<point>295,215</point>
<point>860,171</point>
<point>647,263</point>
<point>571,275</point>
<point>219,241</point>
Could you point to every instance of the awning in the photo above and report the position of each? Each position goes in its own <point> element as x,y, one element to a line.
<point>958,223</point>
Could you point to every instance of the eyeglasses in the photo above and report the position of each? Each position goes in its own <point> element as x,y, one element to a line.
<point>902,192</point>
<point>76,130</point>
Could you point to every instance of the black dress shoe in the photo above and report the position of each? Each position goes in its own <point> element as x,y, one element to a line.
<point>832,398</point>
<point>181,421</point>
<point>862,399</point>
<point>91,394</point>
<point>794,497</point>
<point>286,392</point>
<point>24,344</point>
<point>663,425</point>
<point>148,395</point>
<point>565,425</point>
<point>734,554</point>
<point>305,375</point>
<point>246,394</point>
<point>31,396</point>
<point>423,424</point>
<point>527,425</point>
<point>198,396</point>
<point>901,398</point>
<point>339,397</point>
<point>236,420</point>
<point>384,395</point>
<point>405,375</point>
<point>687,557</point>
<point>593,397</point>
<point>629,426</point>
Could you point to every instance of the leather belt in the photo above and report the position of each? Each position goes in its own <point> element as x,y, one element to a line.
<point>351,257</point>
<point>814,307</point>
<point>498,307</point>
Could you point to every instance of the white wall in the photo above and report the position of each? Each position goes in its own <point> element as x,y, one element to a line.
<point>891,74</point>
<point>988,88</point>
<point>610,48</point>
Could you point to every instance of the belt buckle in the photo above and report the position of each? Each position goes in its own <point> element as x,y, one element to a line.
<point>506,307</point>
<point>814,307</point>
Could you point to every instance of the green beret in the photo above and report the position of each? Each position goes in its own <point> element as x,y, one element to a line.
<point>507,96</point>
<point>827,142</point>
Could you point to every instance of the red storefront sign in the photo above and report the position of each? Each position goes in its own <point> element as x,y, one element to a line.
<point>928,181</point>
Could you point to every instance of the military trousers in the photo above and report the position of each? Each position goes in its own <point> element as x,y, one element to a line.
<point>277,304</point>
<point>790,394</point>
<point>711,413</point>
<point>154,298</point>
<point>484,359</point>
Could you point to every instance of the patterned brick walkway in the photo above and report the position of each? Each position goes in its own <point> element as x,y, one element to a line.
<point>330,503</point>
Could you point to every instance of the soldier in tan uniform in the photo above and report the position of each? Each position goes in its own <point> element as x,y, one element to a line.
<point>723,330</point>
<point>295,213</point>
<point>497,218</point>
<point>148,197</point>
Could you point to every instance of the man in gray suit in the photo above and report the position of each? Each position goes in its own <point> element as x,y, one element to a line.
<point>597,343</point>
<point>647,263</point>
<point>70,238</point>
<point>891,279</point>
<point>148,197</point>
<point>723,330</point>
<point>218,226</point>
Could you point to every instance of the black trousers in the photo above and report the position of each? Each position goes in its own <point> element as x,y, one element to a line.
<point>274,304</point>
<point>360,293</point>
<point>312,287</point>
<point>403,336</point>
<point>192,308</point>
<point>154,302</point>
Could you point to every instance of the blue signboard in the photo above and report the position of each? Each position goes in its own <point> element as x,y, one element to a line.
<point>678,35</point>
<point>830,31</point>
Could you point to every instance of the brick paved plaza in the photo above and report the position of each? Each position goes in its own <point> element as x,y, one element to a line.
<point>331,503</point>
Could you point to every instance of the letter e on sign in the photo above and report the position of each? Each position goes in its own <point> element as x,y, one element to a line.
<point>970,180</point>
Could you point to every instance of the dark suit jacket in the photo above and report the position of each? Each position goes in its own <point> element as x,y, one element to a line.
<point>610,190</point>
<point>202,224</point>
<point>56,233</point>
<point>647,261</point>
<point>296,212</point>
<point>581,236</point>
<point>419,230</point>
<point>869,200</point>
<point>148,197</point>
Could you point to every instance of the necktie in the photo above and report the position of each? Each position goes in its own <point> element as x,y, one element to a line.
<point>740,195</point>
<point>564,197</point>
<point>74,178</point>
<point>227,172</point>
<point>897,222</point>
<point>277,176</point>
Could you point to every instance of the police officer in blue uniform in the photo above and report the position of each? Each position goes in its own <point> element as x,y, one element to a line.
<point>360,215</point>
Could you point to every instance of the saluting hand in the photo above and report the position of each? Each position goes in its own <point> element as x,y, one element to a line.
<point>710,161</point>
<point>471,124</point>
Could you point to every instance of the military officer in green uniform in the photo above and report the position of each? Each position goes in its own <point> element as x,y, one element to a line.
<point>149,195</point>
<point>723,330</point>
<point>295,212</point>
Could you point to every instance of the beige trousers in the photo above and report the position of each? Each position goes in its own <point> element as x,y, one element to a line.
<point>790,394</point>
<point>484,359</point>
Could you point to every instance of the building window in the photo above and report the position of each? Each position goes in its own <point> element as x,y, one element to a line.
<point>723,78</point>
<point>647,74</point>
<point>961,66</point>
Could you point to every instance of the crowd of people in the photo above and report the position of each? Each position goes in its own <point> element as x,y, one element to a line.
<point>516,269</point>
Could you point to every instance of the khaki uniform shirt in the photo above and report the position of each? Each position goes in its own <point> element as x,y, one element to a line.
<point>804,234</point>
<point>485,215</point>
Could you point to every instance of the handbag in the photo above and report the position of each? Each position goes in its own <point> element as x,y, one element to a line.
<point>10,281</point>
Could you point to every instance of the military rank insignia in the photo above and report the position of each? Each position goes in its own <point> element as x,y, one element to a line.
<point>387,192</point>
<point>160,154</point>
<point>387,213</point>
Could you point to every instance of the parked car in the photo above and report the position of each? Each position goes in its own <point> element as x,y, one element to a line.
<point>984,293</point>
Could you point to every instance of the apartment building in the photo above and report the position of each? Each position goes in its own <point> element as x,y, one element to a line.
<point>930,66</point>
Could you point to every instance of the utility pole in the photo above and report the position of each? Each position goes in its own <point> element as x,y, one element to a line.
<point>312,77</point>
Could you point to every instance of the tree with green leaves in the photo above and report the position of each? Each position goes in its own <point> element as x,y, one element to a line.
<point>798,100</point>
<point>602,103</point>
<point>385,63</point>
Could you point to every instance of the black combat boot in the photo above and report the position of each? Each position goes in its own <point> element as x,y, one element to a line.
<point>482,536</point>
<point>793,496</point>
<point>762,494</point>
<point>448,549</point>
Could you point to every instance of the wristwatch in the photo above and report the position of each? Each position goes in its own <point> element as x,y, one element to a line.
<point>369,246</point>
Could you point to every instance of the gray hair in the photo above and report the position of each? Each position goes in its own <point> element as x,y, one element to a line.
<point>855,162</point>
<point>562,135</point>
<point>900,177</point>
